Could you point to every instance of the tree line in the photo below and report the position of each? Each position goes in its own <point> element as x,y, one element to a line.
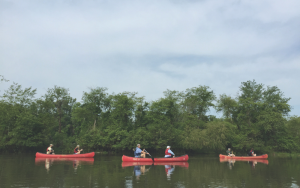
<point>258,117</point>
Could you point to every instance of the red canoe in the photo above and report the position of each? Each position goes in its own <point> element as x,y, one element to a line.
<point>85,155</point>
<point>265,156</point>
<point>175,159</point>
<point>181,164</point>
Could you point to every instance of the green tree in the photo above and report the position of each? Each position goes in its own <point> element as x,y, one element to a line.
<point>293,129</point>
<point>198,101</point>
<point>249,101</point>
<point>215,136</point>
<point>257,118</point>
<point>20,125</point>
<point>61,102</point>
<point>260,114</point>
<point>95,102</point>
<point>227,105</point>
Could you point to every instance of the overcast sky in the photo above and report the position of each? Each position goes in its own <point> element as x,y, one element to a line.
<point>151,46</point>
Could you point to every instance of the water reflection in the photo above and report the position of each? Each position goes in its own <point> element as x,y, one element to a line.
<point>76,162</point>
<point>181,164</point>
<point>140,168</point>
<point>169,170</point>
<point>20,170</point>
<point>252,162</point>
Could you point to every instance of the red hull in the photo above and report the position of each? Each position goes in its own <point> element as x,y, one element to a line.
<point>181,164</point>
<point>265,156</point>
<point>85,155</point>
<point>175,159</point>
<point>265,161</point>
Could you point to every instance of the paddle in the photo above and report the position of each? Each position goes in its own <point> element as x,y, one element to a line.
<point>149,155</point>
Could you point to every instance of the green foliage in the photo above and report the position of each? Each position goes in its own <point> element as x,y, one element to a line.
<point>257,118</point>
<point>215,136</point>
<point>60,104</point>
<point>198,100</point>
<point>17,108</point>
<point>2,79</point>
<point>15,95</point>
<point>94,103</point>
<point>227,105</point>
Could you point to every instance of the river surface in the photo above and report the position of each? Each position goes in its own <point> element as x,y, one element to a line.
<point>17,170</point>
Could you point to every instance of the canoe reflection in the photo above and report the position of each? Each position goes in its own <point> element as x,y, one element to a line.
<point>140,167</point>
<point>75,161</point>
<point>181,164</point>
<point>252,162</point>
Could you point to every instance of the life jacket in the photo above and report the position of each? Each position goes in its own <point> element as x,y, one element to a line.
<point>49,151</point>
<point>250,153</point>
<point>76,150</point>
<point>167,153</point>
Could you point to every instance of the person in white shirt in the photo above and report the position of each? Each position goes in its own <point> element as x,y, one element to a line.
<point>50,150</point>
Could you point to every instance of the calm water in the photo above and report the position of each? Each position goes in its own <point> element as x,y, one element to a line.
<point>108,171</point>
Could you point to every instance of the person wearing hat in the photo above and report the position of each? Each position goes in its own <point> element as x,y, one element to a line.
<point>169,153</point>
<point>77,150</point>
<point>50,149</point>
<point>229,153</point>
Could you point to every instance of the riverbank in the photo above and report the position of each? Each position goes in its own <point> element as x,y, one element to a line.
<point>284,155</point>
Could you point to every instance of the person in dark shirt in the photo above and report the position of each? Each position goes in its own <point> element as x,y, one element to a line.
<point>230,153</point>
<point>251,152</point>
<point>77,150</point>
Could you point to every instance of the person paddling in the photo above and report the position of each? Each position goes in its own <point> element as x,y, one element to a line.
<point>251,152</point>
<point>229,153</point>
<point>50,149</point>
<point>169,153</point>
<point>77,150</point>
<point>140,153</point>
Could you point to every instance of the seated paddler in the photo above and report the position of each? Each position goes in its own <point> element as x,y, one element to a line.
<point>251,153</point>
<point>169,153</point>
<point>77,150</point>
<point>140,153</point>
<point>50,149</point>
<point>230,153</point>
